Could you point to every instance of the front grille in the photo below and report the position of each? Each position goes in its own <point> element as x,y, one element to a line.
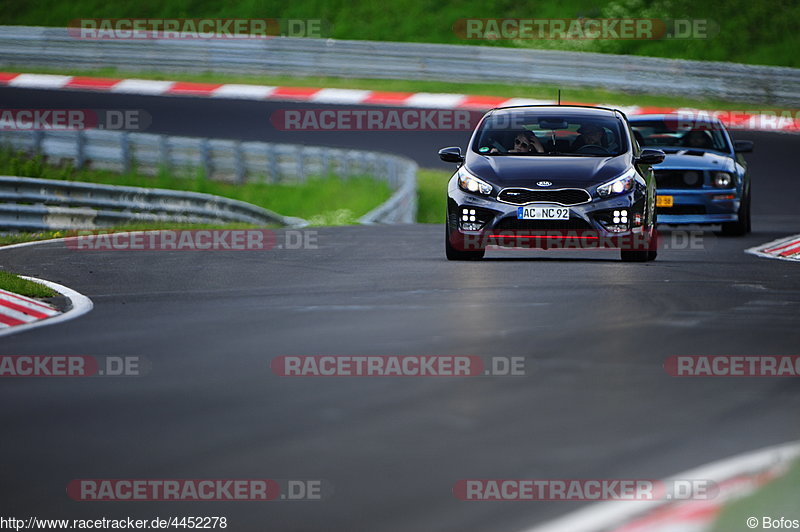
<point>513,224</point>
<point>679,178</point>
<point>682,209</point>
<point>523,196</point>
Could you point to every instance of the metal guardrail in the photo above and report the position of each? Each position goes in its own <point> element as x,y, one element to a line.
<point>221,160</point>
<point>28,204</point>
<point>54,47</point>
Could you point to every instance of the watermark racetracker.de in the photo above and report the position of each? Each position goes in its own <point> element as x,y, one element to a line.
<point>207,489</point>
<point>733,366</point>
<point>40,119</point>
<point>584,28</point>
<point>196,28</point>
<point>29,366</point>
<point>194,240</point>
<point>397,366</point>
<point>603,489</point>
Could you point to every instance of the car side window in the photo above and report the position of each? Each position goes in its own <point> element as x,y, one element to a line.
<point>637,149</point>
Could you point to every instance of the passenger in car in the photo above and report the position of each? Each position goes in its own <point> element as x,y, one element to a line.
<point>526,142</point>
<point>698,138</point>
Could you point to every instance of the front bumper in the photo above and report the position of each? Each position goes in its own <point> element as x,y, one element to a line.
<point>700,207</point>
<point>587,227</point>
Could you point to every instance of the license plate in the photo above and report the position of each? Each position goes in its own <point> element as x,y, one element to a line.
<point>542,213</point>
<point>664,201</point>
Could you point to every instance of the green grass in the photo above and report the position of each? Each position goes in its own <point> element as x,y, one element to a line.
<point>323,200</point>
<point>539,91</point>
<point>17,238</point>
<point>23,287</point>
<point>777,499</point>
<point>432,195</point>
<point>759,32</point>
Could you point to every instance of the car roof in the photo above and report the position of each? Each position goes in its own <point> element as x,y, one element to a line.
<point>701,117</point>
<point>562,110</point>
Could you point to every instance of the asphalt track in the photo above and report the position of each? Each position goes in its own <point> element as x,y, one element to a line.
<point>596,402</point>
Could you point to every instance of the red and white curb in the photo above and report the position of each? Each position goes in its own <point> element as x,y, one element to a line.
<point>784,249</point>
<point>19,313</point>
<point>735,119</point>
<point>736,477</point>
<point>19,310</point>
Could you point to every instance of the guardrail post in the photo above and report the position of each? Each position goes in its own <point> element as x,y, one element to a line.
<point>272,164</point>
<point>38,139</point>
<point>395,172</point>
<point>205,157</point>
<point>301,170</point>
<point>163,152</point>
<point>239,164</point>
<point>362,162</point>
<point>326,163</point>
<point>80,149</point>
<point>125,148</point>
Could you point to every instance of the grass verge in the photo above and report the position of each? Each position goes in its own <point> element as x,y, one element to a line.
<point>538,91</point>
<point>18,238</point>
<point>737,30</point>
<point>323,200</point>
<point>23,287</point>
<point>432,195</point>
<point>775,500</point>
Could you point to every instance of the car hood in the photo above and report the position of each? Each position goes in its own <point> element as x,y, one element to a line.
<point>695,160</point>
<point>527,170</point>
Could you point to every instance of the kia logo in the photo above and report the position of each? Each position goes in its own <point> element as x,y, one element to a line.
<point>543,183</point>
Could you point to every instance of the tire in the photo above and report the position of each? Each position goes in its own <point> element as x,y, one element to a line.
<point>457,254</point>
<point>653,253</point>
<point>743,225</point>
<point>629,255</point>
<point>646,255</point>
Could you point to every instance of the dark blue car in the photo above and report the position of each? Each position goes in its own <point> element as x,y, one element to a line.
<point>552,176</point>
<point>703,179</point>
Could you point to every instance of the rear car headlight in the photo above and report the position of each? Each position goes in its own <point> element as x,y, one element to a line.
<point>620,185</point>
<point>470,183</point>
<point>722,180</point>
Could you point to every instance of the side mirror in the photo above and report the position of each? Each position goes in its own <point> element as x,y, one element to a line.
<point>742,146</point>
<point>451,155</point>
<point>650,156</point>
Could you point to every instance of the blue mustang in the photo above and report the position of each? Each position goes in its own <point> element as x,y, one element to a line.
<point>703,179</point>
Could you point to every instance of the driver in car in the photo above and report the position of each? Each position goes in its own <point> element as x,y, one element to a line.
<point>590,135</point>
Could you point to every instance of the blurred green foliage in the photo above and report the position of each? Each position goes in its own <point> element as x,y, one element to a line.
<point>750,31</point>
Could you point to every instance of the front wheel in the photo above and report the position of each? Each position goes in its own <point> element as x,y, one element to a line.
<point>741,226</point>
<point>643,255</point>
<point>457,254</point>
<point>629,255</point>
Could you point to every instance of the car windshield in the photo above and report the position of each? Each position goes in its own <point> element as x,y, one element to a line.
<point>532,134</point>
<point>678,134</point>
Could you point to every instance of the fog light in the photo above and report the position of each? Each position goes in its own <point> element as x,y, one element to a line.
<point>691,178</point>
<point>724,197</point>
<point>471,226</point>
<point>617,228</point>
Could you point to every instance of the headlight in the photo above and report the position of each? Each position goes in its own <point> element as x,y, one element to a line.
<point>722,180</point>
<point>620,185</point>
<point>470,183</point>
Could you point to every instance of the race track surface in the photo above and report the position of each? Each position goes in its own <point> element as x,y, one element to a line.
<point>595,403</point>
